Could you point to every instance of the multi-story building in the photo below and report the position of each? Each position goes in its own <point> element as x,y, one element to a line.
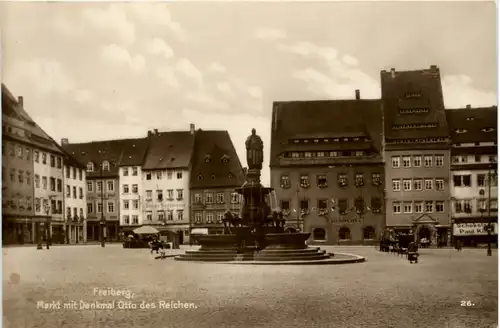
<point>101,159</point>
<point>417,155</point>
<point>131,186</point>
<point>327,168</point>
<point>215,174</point>
<point>18,225</point>
<point>473,187</point>
<point>75,200</point>
<point>165,176</point>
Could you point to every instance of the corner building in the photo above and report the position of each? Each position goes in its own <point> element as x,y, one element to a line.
<point>417,154</point>
<point>327,168</point>
<point>473,187</point>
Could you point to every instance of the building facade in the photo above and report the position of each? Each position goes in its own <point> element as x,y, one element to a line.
<point>215,174</point>
<point>165,179</point>
<point>327,168</point>
<point>417,154</point>
<point>473,187</point>
<point>75,201</point>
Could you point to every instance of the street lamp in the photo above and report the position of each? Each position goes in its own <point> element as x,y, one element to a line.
<point>103,220</point>
<point>489,227</point>
<point>46,207</point>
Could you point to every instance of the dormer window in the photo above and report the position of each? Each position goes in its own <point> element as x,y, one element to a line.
<point>90,167</point>
<point>208,158</point>
<point>296,141</point>
<point>460,131</point>
<point>105,166</point>
<point>213,176</point>
<point>225,159</point>
<point>230,176</point>
<point>470,118</point>
<point>200,176</point>
<point>413,95</point>
<point>488,129</point>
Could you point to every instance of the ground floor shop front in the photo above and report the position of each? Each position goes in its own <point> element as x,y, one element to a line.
<point>109,229</point>
<point>474,232</point>
<point>177,234</point>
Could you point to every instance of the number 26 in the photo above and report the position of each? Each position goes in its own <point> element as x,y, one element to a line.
<point>466,303</point>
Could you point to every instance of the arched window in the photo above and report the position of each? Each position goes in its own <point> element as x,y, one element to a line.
<point>200,176</point>
<point>105,166</point>
<point>224,159</point>
<point>90,167</point>
<point>344,233</point>
<point>319,234</point>
<point>368,233</point>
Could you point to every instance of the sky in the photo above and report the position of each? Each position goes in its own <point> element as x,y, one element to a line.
<point>100,71</point>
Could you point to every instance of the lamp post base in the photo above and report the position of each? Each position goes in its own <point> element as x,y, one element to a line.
<point>39,246</point>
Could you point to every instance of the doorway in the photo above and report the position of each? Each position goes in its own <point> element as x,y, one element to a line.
<point>424,232</point>
<point>180,235</point>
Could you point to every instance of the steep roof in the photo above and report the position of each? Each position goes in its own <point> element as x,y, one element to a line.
<point>33,133</point>
<point>211,147</point>
<point>413,89</point>
<point>325,119</point>
<point>113,151</point>
<point>168,150</point>
<point>468,125</point>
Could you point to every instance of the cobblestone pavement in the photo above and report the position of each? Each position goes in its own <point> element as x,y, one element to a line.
<point>386,291</point>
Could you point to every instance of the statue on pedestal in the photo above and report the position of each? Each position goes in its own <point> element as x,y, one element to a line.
<point>255,151</point>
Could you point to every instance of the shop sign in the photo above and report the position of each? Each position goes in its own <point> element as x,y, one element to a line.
<point>345,220</point>
<point>473,229</point>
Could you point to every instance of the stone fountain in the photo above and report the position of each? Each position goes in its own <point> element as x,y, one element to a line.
<point>257,235</point>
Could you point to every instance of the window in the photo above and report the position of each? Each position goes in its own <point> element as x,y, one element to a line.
<point>135,219</point>
<point>197,198</point>
<point>99,186</point>
<point>304,181</point>
<point>37,181</point>
<point>125,171</point>
<point>321,181</point>
<point>396,185</point>
<point>407,184</point>
<point>342,179</point>
<point>344,233</point>
<point>36,156</point>
<point>90,207</point>
<point>396,162</point>
<point>319,234</point>
<point>80,191</point>
<point>235,198</point>
<point>494,205</point>
<point>80,174</point>
<point>169,174</point>
<point>477,158</point>
<point>417,184</point>
<point>135,188</point>
<point>440,184</point>
<point>396,207</point>
<point>464,159</point>
<point>170,193</point>
<point>135,204</point>
<point>74,192</point>
<point>376,179</point>
<point>419,207</point>
<point>68,172</point>
<point>427,161</point>
<point>462,180</point>
<point>180,195</point>
<point>322,204</point>
<point>52,161</point>
<point>368,233</point>
<point>179,175</point>
<point>159,195</point>
<point>158,175</point>
<point>359,180</point>
<point>220,217</point>
<point>125,189</point>
<point>359,204</point>
<point>111,186</point>
<point>149,216</point>
<point>27,152</point>
<point>19,151</point>
<point>304,205</point>
<point>28,181</point>
<point>180,215</point>
<point>439,160</point>
<point>219,198</point>
<point>44,158</point>
<point>52,183</point>
<point>285,205</point>
<point>134,171</point>
<point>105,166</point>
<point>428,184</point>
<point>170,215</point>
<point>481,180</point>
<point>209,198</point>
<point>285,181</point>
<point>126,204</point>
<point>439,206</point>
<point>343,206</point>
<point>111,207</point>
<point>376,204</point>
<point>429,206</point>
<point>89,186</point>
<point>99,207</point>
<point>90,167</point>
<point>455,159</point>
<point>492,159</point>
<point>44,182</point>
<point>406,161</point>
<point>126,219</point>
<point>407,207</point>
<point>148,176</point>
<point>197,217</point>
<point>210,217</point>
<point>307,154</point>
<point>161,216</point>
<point>149,194</point>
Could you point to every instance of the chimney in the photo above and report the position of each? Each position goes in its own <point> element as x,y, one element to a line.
<point>393,72</point>
<point>434,68</point>
<point>191,128</point>
<point>20,101</point>
<point>156,132</point>
<point>468,106</point>
<point>150,133</point>
<point>64,141</point>
<point>358,97</point>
